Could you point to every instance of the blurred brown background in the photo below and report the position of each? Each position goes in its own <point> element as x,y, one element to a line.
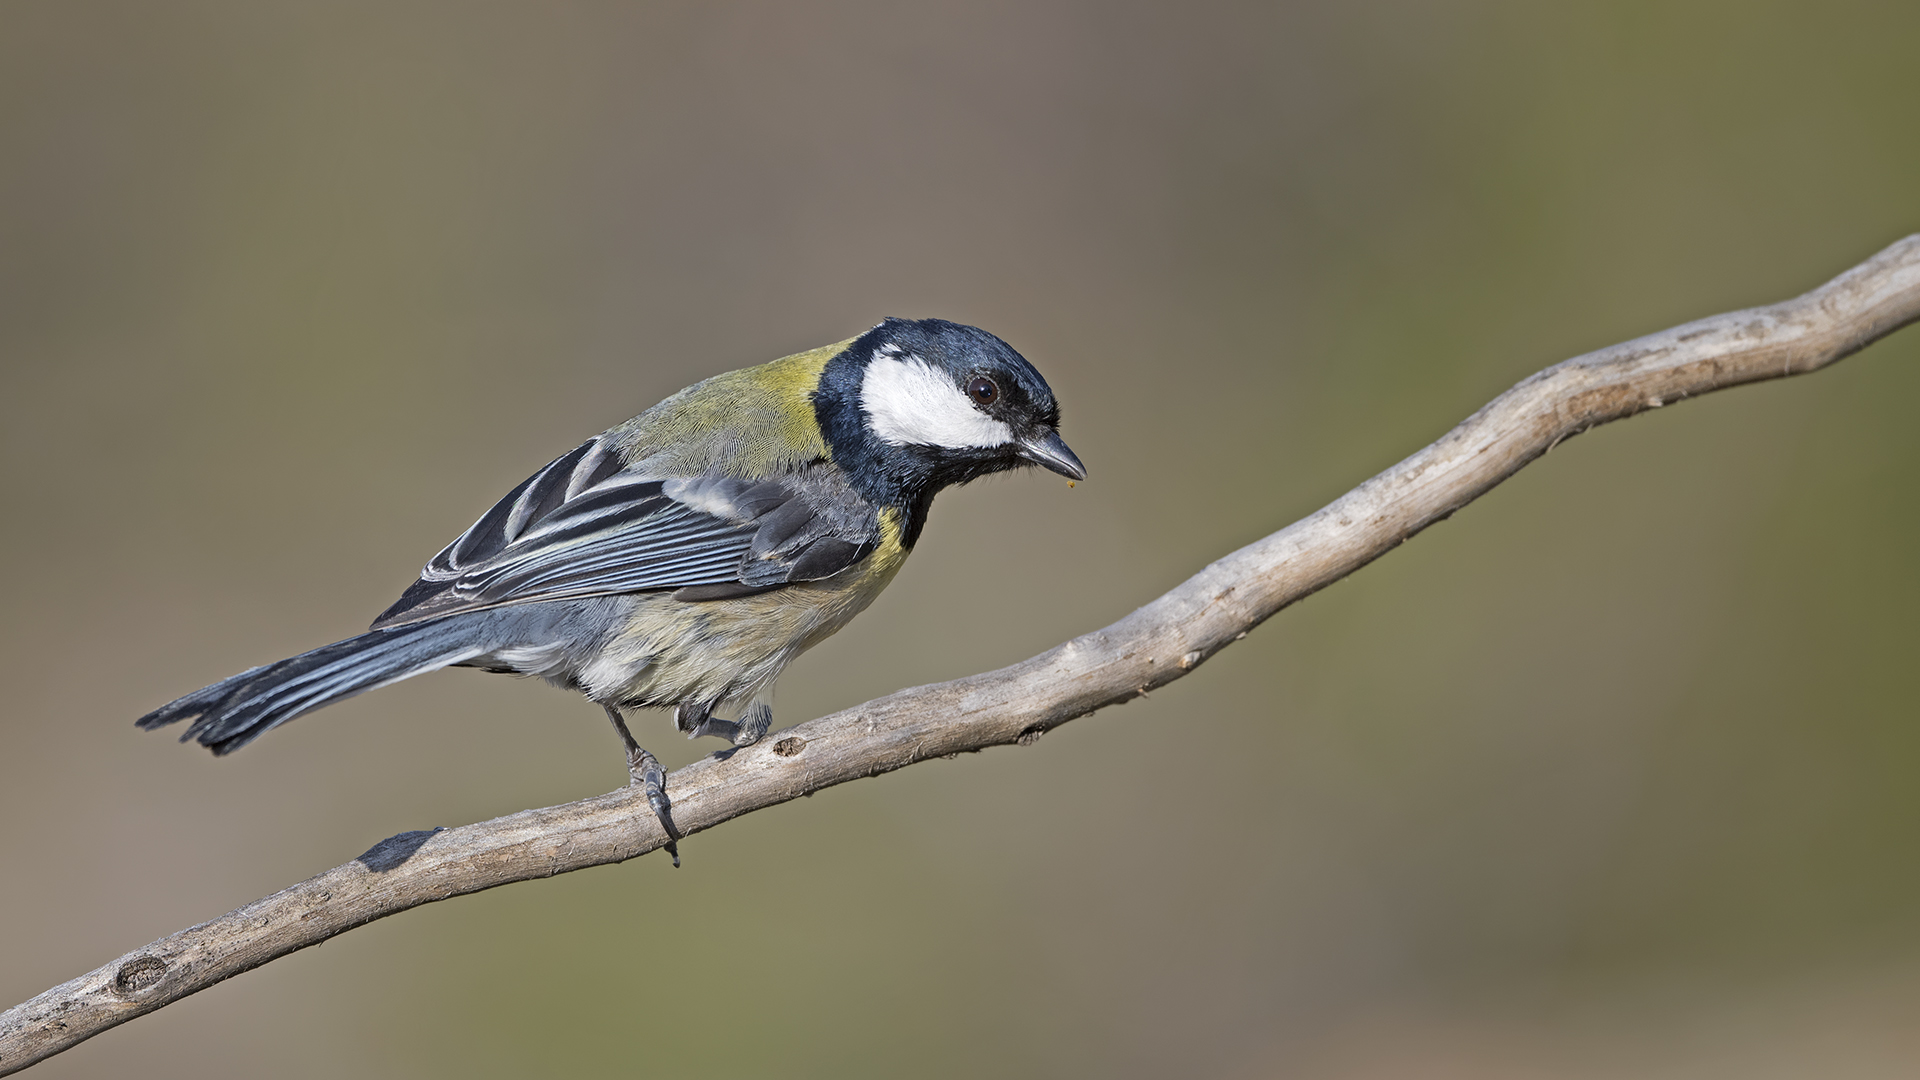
<point>1613,775</point>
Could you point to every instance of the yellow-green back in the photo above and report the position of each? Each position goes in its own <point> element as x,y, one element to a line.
<point>753,422</point>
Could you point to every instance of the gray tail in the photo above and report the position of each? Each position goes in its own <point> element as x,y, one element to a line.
<point>233,712</point>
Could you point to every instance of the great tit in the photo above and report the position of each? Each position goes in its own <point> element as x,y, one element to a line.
<point>682,559</point>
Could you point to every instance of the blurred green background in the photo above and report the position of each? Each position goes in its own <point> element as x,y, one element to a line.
<point>1616,774</point>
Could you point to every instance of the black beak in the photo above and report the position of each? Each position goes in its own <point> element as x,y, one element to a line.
<point>1052,453</point>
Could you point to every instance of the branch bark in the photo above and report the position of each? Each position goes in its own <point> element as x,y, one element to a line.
<point>1151,647</point>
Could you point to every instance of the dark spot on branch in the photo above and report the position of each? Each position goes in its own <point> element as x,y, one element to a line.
<point>790,746</point>
<point>1030,735</point>
<point>390,853</point>
<point>139,973</point>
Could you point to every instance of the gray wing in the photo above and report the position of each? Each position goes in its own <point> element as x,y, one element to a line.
<point>583,526</point>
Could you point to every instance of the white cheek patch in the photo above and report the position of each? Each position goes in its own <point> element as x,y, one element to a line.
<point>908,401</point>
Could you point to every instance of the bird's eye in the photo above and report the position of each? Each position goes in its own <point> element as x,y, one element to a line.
<point>982,390</point>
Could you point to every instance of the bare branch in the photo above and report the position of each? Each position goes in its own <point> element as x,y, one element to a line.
<point>1149,648</point>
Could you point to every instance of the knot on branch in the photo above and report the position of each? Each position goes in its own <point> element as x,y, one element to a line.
<point>139,973</point>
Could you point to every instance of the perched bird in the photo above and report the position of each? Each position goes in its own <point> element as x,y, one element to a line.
<point>685,557</point>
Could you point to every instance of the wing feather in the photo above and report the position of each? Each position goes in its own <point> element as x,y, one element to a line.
<point>584,527</point>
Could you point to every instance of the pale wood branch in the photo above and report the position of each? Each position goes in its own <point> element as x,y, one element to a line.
<point>1149,648</point>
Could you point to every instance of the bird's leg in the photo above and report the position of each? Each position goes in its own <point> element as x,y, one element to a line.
<point>698,720</point>
<point>644,771</point>
<point>689,716</point>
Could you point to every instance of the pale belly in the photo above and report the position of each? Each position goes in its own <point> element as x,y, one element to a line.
<point>722,653</point>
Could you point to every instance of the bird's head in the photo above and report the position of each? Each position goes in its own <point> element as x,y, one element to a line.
<point>932,403</point>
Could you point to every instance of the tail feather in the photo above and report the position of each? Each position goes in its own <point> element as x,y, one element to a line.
<point>235,711</point>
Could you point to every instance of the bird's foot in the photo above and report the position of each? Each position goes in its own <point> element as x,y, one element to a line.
<point>744,732</point>
<point>644,771</point>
